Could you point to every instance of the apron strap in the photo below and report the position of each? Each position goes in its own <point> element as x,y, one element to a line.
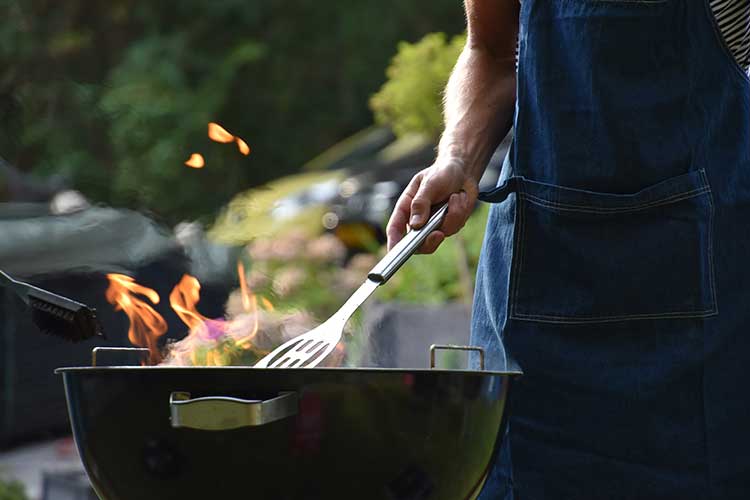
<point>500,193</point>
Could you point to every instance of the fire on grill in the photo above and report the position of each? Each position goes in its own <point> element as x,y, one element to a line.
<point>251,329</point>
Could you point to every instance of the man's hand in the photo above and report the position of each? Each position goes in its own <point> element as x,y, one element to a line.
<point>444,180</point>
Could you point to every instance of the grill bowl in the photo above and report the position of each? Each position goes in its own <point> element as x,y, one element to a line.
<point>390,434</point>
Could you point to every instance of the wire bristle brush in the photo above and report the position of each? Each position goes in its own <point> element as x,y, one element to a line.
<point>54,314</point>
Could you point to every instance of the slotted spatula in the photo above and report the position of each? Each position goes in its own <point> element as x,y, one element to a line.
<point>309,349</point>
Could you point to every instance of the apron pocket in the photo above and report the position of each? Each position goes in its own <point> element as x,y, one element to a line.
<point>586,257</point>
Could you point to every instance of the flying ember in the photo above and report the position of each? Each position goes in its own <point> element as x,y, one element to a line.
<point>219,134</point>
<point>243,147</point>
<point>195,161</point>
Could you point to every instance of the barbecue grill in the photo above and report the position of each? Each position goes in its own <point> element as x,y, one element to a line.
<point>287,434</point>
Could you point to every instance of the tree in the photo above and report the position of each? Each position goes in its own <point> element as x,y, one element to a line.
<point>116,95</point>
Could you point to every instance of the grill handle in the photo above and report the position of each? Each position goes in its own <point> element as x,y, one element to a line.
<point>452,347</point>
<point>220,413</point>
<point>405,248</point>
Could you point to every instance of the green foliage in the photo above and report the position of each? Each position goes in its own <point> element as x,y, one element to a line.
<point>160,110</point>
<point>116,95</point>
<point>12,490</point>
<point>410,101</point>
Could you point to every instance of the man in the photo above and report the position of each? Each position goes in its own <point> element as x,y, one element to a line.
<point>614,268</point>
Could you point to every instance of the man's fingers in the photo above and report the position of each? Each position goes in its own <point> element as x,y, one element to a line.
<point>397,224</point>
<point>458,212</point>
<point>432,242</point>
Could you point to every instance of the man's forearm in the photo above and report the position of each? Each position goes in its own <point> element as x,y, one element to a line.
<point>478,106</point>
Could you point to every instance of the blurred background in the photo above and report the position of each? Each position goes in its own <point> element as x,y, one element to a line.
<point>162,139</point>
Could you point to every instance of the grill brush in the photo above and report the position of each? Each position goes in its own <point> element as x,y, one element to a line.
<point>54,314</point>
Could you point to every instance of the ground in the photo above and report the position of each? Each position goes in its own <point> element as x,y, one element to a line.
<point>28,463</point>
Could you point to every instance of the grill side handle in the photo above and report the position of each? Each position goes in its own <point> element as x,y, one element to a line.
<point>452,347</point>
<point>220,413</point>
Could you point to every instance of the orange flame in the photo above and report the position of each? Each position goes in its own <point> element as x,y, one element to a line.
<point>245,292</point>
<point>242,146</point>
<point>209,341</point>
<point>195,161</point>
<point>266,304</point>
<point>219,134</point>
<point>185,295</point>
<point>249,304</point>
<point>146,325</point>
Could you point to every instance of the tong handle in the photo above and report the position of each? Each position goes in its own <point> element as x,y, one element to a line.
<point>405,248</point>
<point>21,289</point>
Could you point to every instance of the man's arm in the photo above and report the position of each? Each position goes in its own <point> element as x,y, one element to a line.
<point>478,112</point>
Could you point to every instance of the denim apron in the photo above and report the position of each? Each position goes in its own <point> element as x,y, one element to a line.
<point>615,263</point>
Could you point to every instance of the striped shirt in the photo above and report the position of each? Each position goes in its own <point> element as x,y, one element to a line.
<point>733,20</point>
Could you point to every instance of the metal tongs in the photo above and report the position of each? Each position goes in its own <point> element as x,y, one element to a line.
<point>309,349</point>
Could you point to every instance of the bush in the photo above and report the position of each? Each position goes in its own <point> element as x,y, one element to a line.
<point>12,490</point>
<point>410,101</point>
